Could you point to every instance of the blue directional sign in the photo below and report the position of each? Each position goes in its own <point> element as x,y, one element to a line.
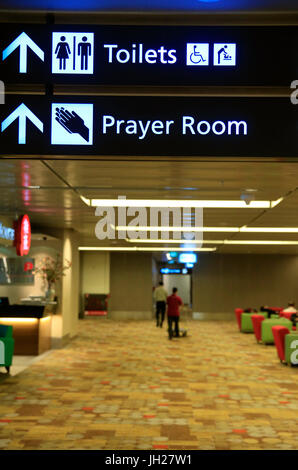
<point>187,258</point>
<point>22,113</point>
<point>170,271</point>
<point>23,42</point>
<point>174,271</point>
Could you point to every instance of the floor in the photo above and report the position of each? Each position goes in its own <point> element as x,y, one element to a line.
<point>21,363</point>
<point>126,386</point>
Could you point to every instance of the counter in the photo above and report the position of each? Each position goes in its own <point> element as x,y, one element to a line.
<point>31,327</point>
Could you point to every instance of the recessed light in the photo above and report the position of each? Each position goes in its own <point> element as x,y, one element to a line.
<point>170,203</point>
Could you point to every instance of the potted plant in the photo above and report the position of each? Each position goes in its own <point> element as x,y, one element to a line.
<point>51,270</point>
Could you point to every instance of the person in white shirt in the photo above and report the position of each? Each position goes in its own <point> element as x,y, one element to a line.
<point>291,308</point>
<point>160,296</point>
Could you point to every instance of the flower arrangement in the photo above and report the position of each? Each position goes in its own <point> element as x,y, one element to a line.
<point>51,270</point>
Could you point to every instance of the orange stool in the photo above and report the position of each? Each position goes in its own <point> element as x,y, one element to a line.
<point>279,332</point>
<point>256,323</point>
<point>238,313</point>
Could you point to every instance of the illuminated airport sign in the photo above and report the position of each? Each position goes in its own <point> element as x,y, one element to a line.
<point>148,126</point>
<point>175,271</point>
<point>187,258</point>
<point>6,232</point>
<point>22,239</point>
<point>148,55</point>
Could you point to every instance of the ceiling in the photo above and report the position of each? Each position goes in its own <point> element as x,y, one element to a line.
<point>151,5</point>
<point>57,202</point>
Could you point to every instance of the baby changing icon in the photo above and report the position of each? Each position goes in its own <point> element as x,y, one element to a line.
<point>73,53</point>
<point>72,124</point>
<point>224,54</point>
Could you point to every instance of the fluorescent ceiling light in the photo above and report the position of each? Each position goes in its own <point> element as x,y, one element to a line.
<point>140,240</point>
<point>220,204</point>
<point>175,229</point>
<point>86,200</point>
<point>218,242</point>
<point>207,229</point>
<point>211,242</point>
<point>259,242</point>
<point>135,248</point>
<point>275,203</point>
<point>269,229</point>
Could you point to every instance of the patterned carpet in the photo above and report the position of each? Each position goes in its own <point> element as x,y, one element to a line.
<point>126,386</point>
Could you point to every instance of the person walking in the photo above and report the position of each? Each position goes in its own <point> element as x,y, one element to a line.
<point>160,296</point>
<point>174,302</point>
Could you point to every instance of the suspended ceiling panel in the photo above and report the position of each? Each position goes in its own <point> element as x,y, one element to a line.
<point>57,202</point>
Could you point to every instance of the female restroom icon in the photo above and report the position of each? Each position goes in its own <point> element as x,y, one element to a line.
<point>62,52</point>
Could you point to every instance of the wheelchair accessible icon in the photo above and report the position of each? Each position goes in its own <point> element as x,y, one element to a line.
<point>197,54</point>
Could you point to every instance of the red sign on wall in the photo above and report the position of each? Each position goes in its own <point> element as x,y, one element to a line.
<point>22,240</point>
<point>28,266</point>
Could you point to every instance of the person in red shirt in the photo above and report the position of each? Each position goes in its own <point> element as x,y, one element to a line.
<point>174,303</point>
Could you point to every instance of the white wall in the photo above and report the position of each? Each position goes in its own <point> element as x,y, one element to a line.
<point>183,284</point>
<point>70,284</point>
<point>95,272</point>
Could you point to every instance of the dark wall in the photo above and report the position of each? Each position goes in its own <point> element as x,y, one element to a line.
<point>131,284</point>
<point>224,282</point>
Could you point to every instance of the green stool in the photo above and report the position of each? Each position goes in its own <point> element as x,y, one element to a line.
<point>6,346</point>
<point>246,323</point>
<point>267,335</point>
<point>265,314</point>
<point>291,349</point>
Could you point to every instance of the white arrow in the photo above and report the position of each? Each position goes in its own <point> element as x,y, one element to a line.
<point>23,42</point>
<point>22,113</point>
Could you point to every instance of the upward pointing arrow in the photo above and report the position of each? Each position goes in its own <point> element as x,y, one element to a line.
<point>22,113</point>
<point>23,42</point>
